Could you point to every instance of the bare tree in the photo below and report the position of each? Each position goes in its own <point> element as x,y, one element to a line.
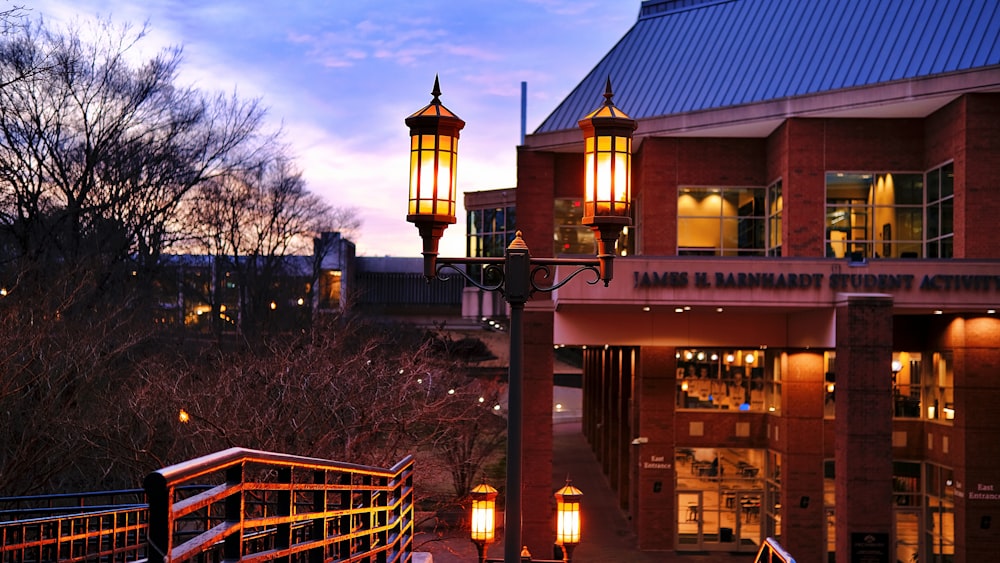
<point>349,390</point>
<point>97,153</point>
<point>251,222</point>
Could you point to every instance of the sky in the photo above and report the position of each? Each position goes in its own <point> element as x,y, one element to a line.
<point>340,76</point>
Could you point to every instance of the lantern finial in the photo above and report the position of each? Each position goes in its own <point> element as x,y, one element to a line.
<point>436,92</point>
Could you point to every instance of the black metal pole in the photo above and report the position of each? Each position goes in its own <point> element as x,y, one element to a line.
<point>512,508</point>
<point>517,290</point>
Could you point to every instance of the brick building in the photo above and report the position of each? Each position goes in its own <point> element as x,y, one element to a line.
<point>802,340</point>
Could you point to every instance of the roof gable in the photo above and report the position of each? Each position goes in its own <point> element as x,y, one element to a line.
<point>685,56</point>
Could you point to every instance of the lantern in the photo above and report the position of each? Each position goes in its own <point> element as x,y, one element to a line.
<point>434,132</point>
<point>484,500</point>
<point>607,135</point>
<point>568,515</point>
<point>607,158</point>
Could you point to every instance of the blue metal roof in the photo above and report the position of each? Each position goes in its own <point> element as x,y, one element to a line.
<point>689,55</point>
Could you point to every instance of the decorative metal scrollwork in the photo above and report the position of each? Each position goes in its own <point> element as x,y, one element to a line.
<point>539,273</point>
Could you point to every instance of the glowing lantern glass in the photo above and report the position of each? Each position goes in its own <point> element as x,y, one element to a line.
<point>434,132</point>
<point>607,135</point>
<point>568,515</point>
<point>484,502</point>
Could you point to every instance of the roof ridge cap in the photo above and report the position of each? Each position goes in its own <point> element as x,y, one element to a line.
<point>657,8</point>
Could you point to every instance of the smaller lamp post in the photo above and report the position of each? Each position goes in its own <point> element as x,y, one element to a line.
<point>482,528</point>
<point>484,504</point>
<point>568,519</point>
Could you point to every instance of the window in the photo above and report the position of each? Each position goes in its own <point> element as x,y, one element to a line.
<point>874,215</point>
<point>939,389</point>
<point>330,287</point>
<point>940,513</point>
<point>920,389</point>
<point>774,208</point>
<point>906,387</point>
<point>940,211</point>
<point>721,221</point>
<point>490,231</point>
<point>573,238</point>
<point>719,379</point>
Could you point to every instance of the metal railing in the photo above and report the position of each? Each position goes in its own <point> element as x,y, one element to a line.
<point>771,552</point>
<point>235,505</point>
<point>101,534</point>
<point>270,506</point>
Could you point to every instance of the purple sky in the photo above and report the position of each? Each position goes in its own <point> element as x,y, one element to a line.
<point>339,76</point>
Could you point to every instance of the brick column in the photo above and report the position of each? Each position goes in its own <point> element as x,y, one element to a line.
<point>538,504</point>
<point>624,427</point>
<point>976,459</point>
<point>802,513</point>
<point>655,195</point>
<point>652,463</point>
<point>863,423</point>
<point>536,179</point>
<point>612,418</point>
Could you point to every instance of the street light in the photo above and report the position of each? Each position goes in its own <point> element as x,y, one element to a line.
<point>434,132</point>
<point>484,504</point>
<point>567,520</point>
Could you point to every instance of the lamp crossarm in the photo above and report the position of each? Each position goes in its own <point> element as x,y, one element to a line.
<point>540,270</point>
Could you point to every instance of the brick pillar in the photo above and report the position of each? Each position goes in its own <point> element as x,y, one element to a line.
<point>536,185</point>
<point>804,190</point>
<point>976,144</point>
<point>655,195</point>
<point>625,427</point>
<point>863,426</point>
<point>652,463</point>
<point>802,513</point>
<point>976,457</point>
<point>612,419</point>
<point>589,377</point>
<point>537,502</point>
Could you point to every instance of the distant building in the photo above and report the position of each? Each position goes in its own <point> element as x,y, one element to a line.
<point>802,341</point>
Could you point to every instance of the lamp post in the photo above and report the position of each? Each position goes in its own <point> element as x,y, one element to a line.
<point>483,523</point>
<point>567,522</point>
<point>568,519</point>
<point>434,134</point>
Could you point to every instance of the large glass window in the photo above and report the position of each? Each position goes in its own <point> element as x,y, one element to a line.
<point>940,211</point>
<point>723,379</point>
<point>572,237</point>
<point>874,215</point>
<point>920,389</point>
<point>489,231</point>
<point>721,221</point>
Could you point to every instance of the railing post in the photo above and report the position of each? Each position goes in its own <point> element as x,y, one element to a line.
<point>232,549</point>
<point>318,524</point>
<point>158,534</point>
<point>286,507</point>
